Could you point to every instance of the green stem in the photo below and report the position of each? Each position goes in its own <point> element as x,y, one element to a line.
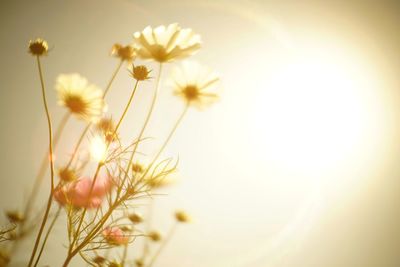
<point>51,164</point>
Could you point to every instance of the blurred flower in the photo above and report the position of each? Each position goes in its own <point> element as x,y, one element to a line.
<point>67,174</point>
<point>4,257</point>
<point>115,236</point>
<point>15,216</point>
<point>77,193</point>
<point>84,100</point>
<point>99,260</point>
<point>138,167</point>
<point>126,228</point>
<point>154,236</point>
<point>139,262</point>
<point>126,53</point>
<point>140,73</point>
<point>135,218</point>
<point>114,264</point>
<point>106,127</point>
<point>165,44</point>
<point>193,83</point>
<point>38,47</point>
<point>182,216</point>
<point>159,182</point>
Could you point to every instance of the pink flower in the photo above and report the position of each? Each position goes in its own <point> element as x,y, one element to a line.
<point>78,192</point>
<point>115,236</point>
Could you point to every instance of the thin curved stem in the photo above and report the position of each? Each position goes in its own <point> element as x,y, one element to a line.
<point>47,235</point>
<point>124,255</point>
<point>126,108</point>
<point>150,112</point>
<point>43,166</point>
<point>51,164</point>
<point>179,120</point>
<point>39,178</point>
<point>78,144</point>
<point>113,78</point>
<point>162,246</point>
<point>163,146</point>
<point>146,245</point>
<point>169,136</point>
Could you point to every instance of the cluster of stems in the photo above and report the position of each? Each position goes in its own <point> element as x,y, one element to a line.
<point>84,233</point>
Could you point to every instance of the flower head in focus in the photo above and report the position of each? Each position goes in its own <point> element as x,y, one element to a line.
<point>78,193</point>
<point>165,44</point>
<point>84,100</point>
<point>38,47</point>
<point>115,236</point>
<point>140,73</point>
<point>126,53</point>
<point>194,83</point>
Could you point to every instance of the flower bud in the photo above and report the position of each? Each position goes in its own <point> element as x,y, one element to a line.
<point>154,236</point>
<point>135,218</point>
<point>182,217</point>
<point>38,47</point>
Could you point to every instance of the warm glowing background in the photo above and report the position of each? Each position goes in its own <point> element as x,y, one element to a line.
<point>297,165</point>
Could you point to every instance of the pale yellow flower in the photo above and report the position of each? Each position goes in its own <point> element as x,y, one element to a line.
<point>126,52</point>
<point>165,44</point>
<point>195,83</point>
<point>84,100</point>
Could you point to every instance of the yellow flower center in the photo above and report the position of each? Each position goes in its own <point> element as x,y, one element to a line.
<point>126,52</point>
<point>159,53</point>
<point>67,175</point>
<point>140,73</point>
<point>191,92</point>
<point>76,104</point>
<point>38,47</point>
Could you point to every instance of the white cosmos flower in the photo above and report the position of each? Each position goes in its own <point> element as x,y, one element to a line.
<point>165,44</point>
<point>195,84</point>
<point>84,100</point>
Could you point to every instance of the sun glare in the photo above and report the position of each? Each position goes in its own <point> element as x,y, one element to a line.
<point>98,148</point>
<point>316,114</point>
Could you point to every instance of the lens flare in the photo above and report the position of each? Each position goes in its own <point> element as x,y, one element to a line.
<point>98,148</point>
